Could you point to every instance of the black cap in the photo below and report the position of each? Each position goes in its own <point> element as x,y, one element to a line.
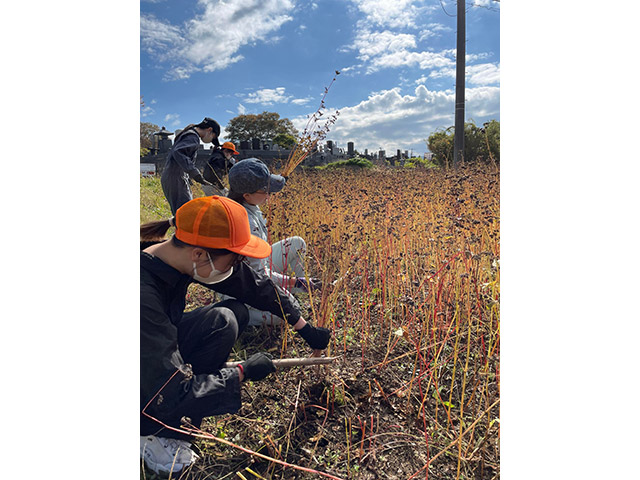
<point>210,122</point>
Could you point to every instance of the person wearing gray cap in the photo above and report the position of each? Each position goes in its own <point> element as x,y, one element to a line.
<point>180,166</point>
<point>250,184</point>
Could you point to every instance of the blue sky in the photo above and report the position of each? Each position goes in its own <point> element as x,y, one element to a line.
<point>396,57</point>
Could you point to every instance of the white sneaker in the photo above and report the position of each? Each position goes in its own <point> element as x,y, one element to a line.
<point>166,455</point>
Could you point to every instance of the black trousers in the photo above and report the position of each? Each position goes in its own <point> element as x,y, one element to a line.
<point>206,336</point>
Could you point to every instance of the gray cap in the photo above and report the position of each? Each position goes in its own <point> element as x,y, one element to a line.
<point>250,175</point>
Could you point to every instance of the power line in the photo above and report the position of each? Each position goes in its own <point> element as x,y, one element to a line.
<point>443,9</point>
<point>485,7</point>
<point>469,5</point>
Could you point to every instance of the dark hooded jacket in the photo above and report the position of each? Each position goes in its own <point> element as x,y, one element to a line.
<point>217,168</point>
<point>162,302</point>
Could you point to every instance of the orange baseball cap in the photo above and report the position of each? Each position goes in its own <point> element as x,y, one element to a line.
<point>230,146</point>
<point>219,222</point>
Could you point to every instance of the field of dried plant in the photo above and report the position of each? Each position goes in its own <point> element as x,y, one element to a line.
<point>409,261</point>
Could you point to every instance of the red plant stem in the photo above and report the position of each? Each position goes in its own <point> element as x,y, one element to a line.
<point>363,428</point>
<point>366,315</point>
<point>333,397</point>
<point>372,440</point>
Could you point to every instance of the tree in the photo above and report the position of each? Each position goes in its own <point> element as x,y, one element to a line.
<point>492,134</point>
<point>440,143</point>
<point>481,144</point>
<point>285,140</point>
<point>265,126</point>
<point>146,134</point>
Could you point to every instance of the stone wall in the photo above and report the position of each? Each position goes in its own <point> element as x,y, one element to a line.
<point>273,158</point>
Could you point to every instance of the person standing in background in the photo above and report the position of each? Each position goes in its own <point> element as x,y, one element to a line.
<point>217,168</point>
<point>180,167</point>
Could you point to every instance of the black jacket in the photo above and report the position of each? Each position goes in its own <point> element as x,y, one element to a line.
<point>181,159</point>
<point>162,302</point>
<point>217,168</point>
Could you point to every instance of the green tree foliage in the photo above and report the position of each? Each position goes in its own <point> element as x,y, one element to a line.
<point>417,162</point>
<point>285,140</point>
<point>265,126</point>
<point>481,144</point>
<point>492,131</point>
<point>146,134</point>
<point>440,143</point>
<point>355,162</point>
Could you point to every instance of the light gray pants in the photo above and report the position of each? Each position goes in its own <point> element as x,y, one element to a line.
<point>287,258</point>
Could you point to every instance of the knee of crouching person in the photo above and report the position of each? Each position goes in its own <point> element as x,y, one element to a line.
<point>299,244</point>
<point>237,313</point>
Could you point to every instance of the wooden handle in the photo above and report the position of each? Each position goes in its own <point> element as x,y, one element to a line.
<point>291,362</point>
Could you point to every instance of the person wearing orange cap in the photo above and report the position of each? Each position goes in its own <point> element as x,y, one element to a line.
<point>217,168</point>
<point>182,353</point>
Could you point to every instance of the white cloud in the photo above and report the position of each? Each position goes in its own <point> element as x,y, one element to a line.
<point>482,102</point>
<point>394,121</point>
<point>472,57</point>
<point>348,69</point>
<point>211,40</point>
<point>444,72</point>
<point>395,48</point>
<point>425,60</point>
<point>301,101</point>
<point>180,73</point>
<point>434,30</point>
<point>373,44</point>
<point>483,74</point>
<point>146,111</point>
<point>268,96</point>
<point>380,50</point>
<point>159,38</point>
<point>241,109</point>
<point>172,119</point>
<point>486,3</point>
<point>391,13</point>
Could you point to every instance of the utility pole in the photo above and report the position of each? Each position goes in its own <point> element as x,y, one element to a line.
<point>458,138</point>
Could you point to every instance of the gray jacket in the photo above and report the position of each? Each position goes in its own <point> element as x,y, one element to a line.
<point>259,229</point>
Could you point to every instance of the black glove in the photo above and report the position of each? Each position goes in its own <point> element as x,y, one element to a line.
<point>257,366</point>
<point>317,338</point>
<point>308,283</point>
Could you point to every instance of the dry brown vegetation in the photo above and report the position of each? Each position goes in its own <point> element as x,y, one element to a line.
<point>409,261</point>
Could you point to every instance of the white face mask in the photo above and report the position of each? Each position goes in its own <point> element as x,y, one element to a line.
<point>214,277</point>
